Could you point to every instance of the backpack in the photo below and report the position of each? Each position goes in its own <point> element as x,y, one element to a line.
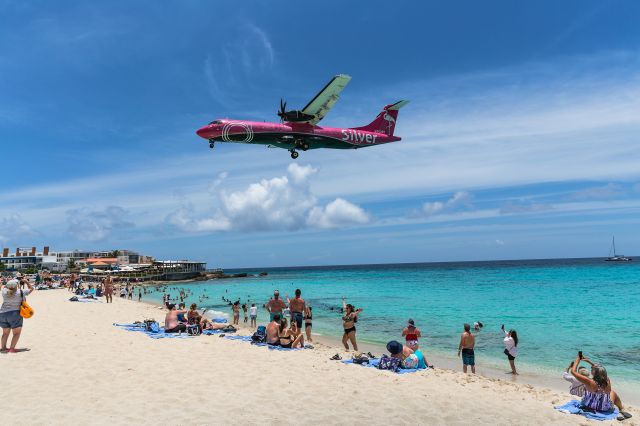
<point>388,363</point>
<point>260,336</point>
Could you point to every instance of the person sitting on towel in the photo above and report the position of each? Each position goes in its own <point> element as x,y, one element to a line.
<point>273,331</point>
<point>171,323</point>
<point>288,338</point>
<point>410,358</point>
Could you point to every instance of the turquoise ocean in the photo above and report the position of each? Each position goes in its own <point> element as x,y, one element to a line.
<point>558,307</point>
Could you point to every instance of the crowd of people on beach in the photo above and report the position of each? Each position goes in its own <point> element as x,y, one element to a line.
<point>290,326</point>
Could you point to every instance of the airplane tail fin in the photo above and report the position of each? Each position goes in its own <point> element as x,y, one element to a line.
<point>385,122</point>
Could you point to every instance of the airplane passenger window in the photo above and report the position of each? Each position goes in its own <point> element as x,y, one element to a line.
<point>216,122</point>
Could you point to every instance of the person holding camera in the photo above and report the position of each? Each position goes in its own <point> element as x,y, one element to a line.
<point>511,348</point>
<point>10,319</point>
<point>598,394</point>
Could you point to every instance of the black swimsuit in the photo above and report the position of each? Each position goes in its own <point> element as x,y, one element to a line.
<point>353,328</point>
<point>307,320</point>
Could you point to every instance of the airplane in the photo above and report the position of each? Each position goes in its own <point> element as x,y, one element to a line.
<point>299,129</point>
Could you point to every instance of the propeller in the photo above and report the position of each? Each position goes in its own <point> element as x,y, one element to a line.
<point>283,109</point>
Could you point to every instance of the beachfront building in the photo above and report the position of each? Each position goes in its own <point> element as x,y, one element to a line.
<point>29,258</point>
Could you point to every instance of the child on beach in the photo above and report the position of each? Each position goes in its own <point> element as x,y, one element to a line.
<point>253,312</point>
<point>244,311</point>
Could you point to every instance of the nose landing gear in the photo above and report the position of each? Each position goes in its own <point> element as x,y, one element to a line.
<point>294,154</point>
<point>211,143</point>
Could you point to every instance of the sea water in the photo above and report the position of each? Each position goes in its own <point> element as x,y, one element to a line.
<point>558,307</point>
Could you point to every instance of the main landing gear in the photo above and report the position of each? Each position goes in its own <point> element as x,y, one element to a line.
<point>211,143</point>
<point>299,144</point>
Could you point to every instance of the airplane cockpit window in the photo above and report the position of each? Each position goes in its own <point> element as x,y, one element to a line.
<point>216,122</point>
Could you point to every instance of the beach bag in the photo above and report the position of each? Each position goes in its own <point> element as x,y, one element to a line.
<point>388,363</point>
<point>26,311</point>
<point>152,326</point>
<point>360,359</point>
<point>148,323</point>
<point>194,330</point>
<point>260,336</point>
<point>229,329</point>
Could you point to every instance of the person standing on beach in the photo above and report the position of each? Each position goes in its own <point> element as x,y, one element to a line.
<point>349,320</point>
<point>511,348</point>
<point>10,319</point>
<point>467,343</point>
<point>297,306</point>
<point>244,311</point>
<point>139,295</point>
<point>108,289</point>
<point>253,312</point>
<point>308,317</point>
<point>275,306</point>
<point>411,333</point>
<point>236,312</point>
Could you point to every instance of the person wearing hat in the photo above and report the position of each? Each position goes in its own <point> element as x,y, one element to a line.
<point>10,319</point>
<point>411,333</point>
<point>408,357</point>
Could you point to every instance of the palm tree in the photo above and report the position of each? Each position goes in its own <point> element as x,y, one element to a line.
<point>71,264</point>
<point>115,253</point>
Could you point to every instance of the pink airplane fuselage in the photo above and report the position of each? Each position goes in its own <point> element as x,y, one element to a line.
<point>292,135</point>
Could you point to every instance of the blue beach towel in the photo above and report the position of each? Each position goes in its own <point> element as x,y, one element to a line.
<point>573,407</point>
<point>271,347</point>
<point>160,335</point>
<point>374,364</point>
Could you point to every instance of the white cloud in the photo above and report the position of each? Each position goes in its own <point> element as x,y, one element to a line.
<point>14,227</point>
<point>499,242</point>
<point>336,214</point>
<point>283,203</point>
<point>94,225</point>
<point>460,199</point>
<point>609,190</point>
<point>515,207</point>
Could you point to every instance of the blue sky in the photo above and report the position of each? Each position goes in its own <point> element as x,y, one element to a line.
<point>521,139</point>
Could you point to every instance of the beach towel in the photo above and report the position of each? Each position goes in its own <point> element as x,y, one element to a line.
<point>271,347</point>
<point>160,335</point>
<point>573,407</point>
<point>374,364</point>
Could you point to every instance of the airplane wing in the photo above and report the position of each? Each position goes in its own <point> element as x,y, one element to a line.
<point>326,98</point>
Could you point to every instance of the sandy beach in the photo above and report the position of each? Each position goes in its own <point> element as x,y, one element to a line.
<point>82,370</point>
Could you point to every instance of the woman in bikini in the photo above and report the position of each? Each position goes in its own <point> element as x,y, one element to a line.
<point>349,320</point>
<point>288,338</point>
<point>308,316</point>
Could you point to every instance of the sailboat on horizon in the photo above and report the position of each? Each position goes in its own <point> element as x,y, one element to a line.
<point>616,257</point>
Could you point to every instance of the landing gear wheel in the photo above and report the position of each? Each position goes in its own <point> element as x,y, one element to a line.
<point>304,146</point>
<point>294,154</point>
<point>211,143</point>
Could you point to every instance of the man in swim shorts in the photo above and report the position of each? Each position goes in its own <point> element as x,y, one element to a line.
<point>275,306</point>
<point>297,306</point>
<point>467,343</point>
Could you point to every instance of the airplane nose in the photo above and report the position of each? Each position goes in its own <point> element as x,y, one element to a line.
<point>202,132</point>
